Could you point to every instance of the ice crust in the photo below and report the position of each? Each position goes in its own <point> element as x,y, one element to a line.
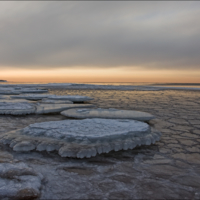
<point>76,98</point>
<point>81,138</point>
<point>18,181</point>
<point>108,114</point>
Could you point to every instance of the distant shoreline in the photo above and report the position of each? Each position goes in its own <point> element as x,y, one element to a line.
<point>3,81</point>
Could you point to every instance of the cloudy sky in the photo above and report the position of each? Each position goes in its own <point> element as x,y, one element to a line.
<point>100,41</point>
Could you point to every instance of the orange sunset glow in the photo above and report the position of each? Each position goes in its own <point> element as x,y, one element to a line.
<point>100,75</point>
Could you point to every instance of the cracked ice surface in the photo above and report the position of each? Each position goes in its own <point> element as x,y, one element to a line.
<point>108,113</point>
<point>18,181</point>
<point>81,138</point>
<point>169,169</point>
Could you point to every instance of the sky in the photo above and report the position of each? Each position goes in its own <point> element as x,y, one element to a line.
<point>100,41</point>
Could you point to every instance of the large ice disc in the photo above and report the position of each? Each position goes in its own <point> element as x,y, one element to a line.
<point>81,138</point>
<point>108,114</point>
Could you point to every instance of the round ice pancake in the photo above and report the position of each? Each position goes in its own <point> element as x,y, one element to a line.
<point>4,97</point>
<point>57,108</point>
<point>9,92</point>
<point>88,129</point>
<point>52,101</point>
<point>30,96</point>
<point>107,113</point>
<point>75,98</point>
<point>33,90</point>
<point>19,181</point>
<point>15,101</point>
<point>81,138</point>
<point>17,108</point>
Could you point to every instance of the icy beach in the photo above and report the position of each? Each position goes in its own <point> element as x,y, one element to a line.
<point>167,169</point>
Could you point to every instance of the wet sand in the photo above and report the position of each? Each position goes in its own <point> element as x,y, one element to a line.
<point>168,169</point>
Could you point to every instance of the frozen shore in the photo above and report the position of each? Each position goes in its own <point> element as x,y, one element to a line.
<point>167,169</point>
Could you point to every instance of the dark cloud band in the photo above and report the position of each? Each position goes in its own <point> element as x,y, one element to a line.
<point>100,34</point>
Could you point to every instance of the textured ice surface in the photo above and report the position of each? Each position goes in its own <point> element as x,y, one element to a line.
<point>108,113</point>
<point>81,138</point>
<point>17,108</point>
<point>76,98</point>
<point>52,101</point>
<point>18,181</point>
<point>56,108</point>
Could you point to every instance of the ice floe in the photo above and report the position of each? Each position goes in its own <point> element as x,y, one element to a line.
<point>34,97</point>
<point>4,97</point>
<point>18,181</point>
<point>57,108</point>
<point>24,107</point>
<point>17,108</point>
<point>81,138</point>
<point>52,101</point>
<point>15,101</point>
<point>75,98</point>
<point>107,113</point>
<point>20,90</point>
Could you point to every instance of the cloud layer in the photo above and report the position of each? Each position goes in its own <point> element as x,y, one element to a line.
<point>157,35</point>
